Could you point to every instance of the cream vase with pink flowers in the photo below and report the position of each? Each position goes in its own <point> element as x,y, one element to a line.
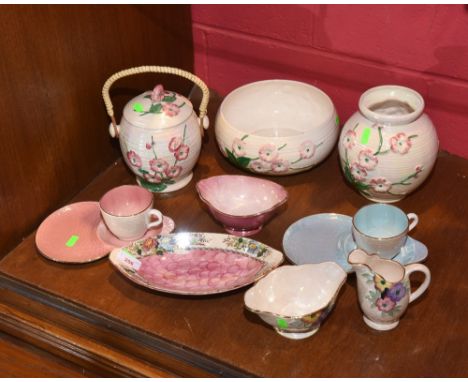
<point>389,147</point>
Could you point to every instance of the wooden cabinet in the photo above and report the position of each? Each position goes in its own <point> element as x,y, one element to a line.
<point>54,142</point>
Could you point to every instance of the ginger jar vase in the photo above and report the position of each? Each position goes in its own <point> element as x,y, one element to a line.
<point>388,147</point>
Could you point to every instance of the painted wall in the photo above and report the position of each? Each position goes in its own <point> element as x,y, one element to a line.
<point>344,50</point>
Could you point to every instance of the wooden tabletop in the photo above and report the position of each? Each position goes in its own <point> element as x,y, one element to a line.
<point>94,307</point>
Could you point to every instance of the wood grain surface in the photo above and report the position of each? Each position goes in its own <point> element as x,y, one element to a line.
<point>216,335</point>
<point>19,359</point>
<point>54,129</point>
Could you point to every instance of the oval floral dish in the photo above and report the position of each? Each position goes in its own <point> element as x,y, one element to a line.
<point>195,263</point>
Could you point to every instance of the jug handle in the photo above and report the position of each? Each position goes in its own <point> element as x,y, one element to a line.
<point>202,117</point>
<point>427,279</point>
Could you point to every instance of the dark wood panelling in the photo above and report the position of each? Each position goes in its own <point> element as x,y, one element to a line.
<point>53,124</point>
<point>21,360</point>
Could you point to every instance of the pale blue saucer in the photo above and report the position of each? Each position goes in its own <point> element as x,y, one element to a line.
<point>327,237</point>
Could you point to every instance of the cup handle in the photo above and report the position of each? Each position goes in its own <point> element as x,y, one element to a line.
<point>155,213</point>
<point>427,280</point>
<point>413,218</point>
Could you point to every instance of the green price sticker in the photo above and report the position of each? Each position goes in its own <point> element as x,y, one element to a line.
<point>366,132</point>
<point>282,323</point>
<point>72,241</point>
<point>138,107</point>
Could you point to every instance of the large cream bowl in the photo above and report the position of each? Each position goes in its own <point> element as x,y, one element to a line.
<point>276,127</point>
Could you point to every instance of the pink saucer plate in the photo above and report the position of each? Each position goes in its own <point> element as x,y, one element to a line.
<point>76,234</point>
<point>106,236</point>
<point>69,235</point>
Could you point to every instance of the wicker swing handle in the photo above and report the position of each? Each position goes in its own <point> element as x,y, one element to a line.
<point>155,69</point>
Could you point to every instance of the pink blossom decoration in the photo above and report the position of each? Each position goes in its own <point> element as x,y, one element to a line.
<point>174,144</point>
<point>400,143</point>
<point>260,165</point>
<point>238,147</point>
<point>157,94</point>
<point>359,173</point>
<point>174,171</point>
<point>367,159</point>
<point>417,170</point>
<point>307,150</point>
<point>134,158</point>
<point>268,152</point>
<point>153,178</point>
<point>280,165</point>
<point>170,109</point>
<point>158,165</point>
<point>380,184</point>
<point>182,152</point>
<point>385,304</point>
<point>149,146</point>
<point>349,139</point>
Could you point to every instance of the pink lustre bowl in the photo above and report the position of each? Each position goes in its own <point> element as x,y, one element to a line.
<point>243,204</point>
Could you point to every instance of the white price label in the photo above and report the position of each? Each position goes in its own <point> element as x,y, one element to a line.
<point>128,260</point>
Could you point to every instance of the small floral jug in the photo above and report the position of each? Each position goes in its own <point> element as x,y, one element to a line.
<point>388,148</point>
<point>160,134</point>
<point>383,288</point>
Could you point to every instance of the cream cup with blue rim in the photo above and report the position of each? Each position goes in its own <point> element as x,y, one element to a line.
<point>382,229</point>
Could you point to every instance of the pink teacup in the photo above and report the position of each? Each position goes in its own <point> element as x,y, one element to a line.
<point>127,211</point>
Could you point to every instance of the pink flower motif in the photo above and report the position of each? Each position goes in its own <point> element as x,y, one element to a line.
<point>149,146</point>
<point>260,166</point>
<point>157,94</point>
<point>155,178</point>
<point>400,143</point>
<point>418,169</point>
<point>170,109</point>
<point>385,304</point>
<point>238,146</point>
<point>182,152</point>
<point>134,158</point>
<point>380,184</point>
<point>174,144</point>
<point>359,173</point>
<point>158,165</point>
<point>268,152</point>
<point>307,150</point>
<point>367,159</point>
<point>173,172</point>
<point>349,139</point>
<point>280,165</point>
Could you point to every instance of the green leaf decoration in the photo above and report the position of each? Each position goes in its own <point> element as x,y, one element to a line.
<point>230,155</point>
<point>361,186</point>
<point>156,108</point>
<point>147,96</point>
<point>143,171</point>
<point>169,99</point>
<point>243,161</point>
<point>337,120</point>
<point>153,187</point>
<point>168,181</point>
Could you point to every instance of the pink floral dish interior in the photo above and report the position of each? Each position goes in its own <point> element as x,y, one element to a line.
<point>69,235</point>
<point>276,127</point>
<point>243,204</point>
<point>195,263</point>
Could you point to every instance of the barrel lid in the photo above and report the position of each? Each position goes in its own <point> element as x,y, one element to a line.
<point>158,109</point>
